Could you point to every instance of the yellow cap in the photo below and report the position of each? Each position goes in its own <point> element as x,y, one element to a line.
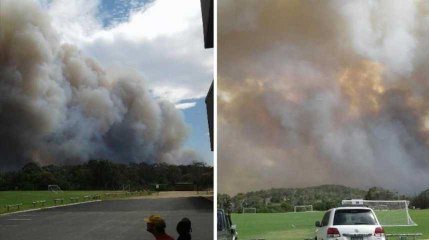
<point>155,219</point>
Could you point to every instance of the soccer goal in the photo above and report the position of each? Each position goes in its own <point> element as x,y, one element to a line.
<point>126,187</point>
<point>54,188</point>
<point>303,208</point>
<point>389,212</point>
<point>249,210</point>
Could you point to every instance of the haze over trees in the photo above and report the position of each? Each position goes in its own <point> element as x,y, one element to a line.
<point>321,197</point>
<point>106,175</point>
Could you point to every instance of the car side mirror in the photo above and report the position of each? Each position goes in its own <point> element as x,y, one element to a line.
<point>317,224</point>
<point>233,228</point>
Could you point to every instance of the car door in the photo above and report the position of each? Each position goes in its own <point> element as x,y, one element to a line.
<point>321,231</point>
<point>223,231</point>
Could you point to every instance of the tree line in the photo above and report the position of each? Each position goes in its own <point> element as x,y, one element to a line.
<point>106,175</point>
<point>320,197</point>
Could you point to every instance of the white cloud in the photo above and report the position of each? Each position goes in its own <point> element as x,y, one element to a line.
<point>163,41</point>
<point>74,20</point>
<point>162,18</point>
<point>185,105</point>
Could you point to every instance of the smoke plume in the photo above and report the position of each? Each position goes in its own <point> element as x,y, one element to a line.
<point>319,92</point>
<point>58,106</point>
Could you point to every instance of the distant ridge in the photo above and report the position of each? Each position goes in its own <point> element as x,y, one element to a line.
<point>283,199</point>
<point>321,190</point>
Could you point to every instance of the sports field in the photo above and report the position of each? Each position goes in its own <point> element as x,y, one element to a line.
<point>294,226</point>
<point>14,199</point>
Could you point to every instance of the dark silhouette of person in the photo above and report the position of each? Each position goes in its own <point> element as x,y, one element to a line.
<point>156,225</point>
<point>184,229</point>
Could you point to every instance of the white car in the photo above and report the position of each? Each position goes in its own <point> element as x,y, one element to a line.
<point>349,223</point>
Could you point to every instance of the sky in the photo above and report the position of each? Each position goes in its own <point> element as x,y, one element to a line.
<point>111,48</point>
<point>323,92</point>
<point>162,39</point>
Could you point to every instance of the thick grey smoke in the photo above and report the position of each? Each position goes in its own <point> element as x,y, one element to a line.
<point>58,106</point>
<point>316,92</point>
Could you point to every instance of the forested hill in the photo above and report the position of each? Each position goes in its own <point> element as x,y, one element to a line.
<point>107,175</point>
<point>283,199</point>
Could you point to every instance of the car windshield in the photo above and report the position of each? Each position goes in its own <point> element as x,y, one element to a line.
<point>354,217</point>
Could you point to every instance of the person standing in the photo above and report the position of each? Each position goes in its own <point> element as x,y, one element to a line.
<point>184,229</point>
<point>156,225</point>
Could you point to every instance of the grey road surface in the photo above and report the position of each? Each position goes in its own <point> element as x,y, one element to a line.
<point>109,220</point>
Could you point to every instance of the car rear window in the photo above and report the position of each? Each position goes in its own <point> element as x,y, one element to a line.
<point>354,217</point>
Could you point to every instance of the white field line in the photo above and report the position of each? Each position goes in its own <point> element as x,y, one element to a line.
<point>19,219</point>
<point>37,209</point>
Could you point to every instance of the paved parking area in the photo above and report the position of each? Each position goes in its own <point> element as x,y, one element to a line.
<point>109,220</point>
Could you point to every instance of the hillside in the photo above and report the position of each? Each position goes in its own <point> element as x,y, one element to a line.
<point>284,199</point>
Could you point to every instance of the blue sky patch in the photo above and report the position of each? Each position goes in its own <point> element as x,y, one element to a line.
<point>112,12</point>
<point>198,140</point>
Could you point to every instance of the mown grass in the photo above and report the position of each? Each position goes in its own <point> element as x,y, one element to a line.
<point>26,198</point>
<point>294,226</point>
<point>276,225</point>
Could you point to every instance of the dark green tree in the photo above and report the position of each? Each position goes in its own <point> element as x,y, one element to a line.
<point>422,200</point>
<point>376,193</point>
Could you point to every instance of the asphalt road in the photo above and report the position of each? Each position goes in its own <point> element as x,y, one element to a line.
<point>109,220</point>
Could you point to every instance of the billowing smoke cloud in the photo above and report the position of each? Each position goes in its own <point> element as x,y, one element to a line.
<point>316,92</point>
<point>58,106</point>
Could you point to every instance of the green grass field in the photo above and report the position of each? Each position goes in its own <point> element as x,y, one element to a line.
<point>293,226</point>
<point>392,217</point>
<point>26,198</point>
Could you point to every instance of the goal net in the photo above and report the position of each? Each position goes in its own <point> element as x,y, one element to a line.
<point>54,188</point>
<point>389,212</point>
<point>303,208</point>
<point>249,210</point>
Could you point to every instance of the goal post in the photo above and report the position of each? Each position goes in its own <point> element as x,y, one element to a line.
<point>54,188</point>
<point>249,210</point>
<point>389,212</point>
<point>303,208</point>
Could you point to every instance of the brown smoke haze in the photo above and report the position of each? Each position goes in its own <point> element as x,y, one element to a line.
<point>320,92</point>
<point>58,106</point>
